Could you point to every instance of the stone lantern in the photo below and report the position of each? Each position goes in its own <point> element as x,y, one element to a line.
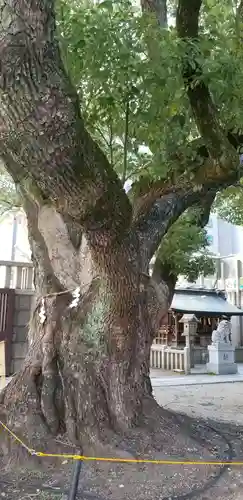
<point>190,322</point>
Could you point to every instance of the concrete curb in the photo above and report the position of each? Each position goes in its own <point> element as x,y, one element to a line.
<point>175,382</point>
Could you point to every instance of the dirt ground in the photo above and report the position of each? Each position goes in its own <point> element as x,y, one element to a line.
<point>171,436</point>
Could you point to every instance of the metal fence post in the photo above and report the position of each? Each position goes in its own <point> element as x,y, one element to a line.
<point>75,480</point>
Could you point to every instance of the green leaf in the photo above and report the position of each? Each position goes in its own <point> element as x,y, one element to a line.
<point>107,4</point>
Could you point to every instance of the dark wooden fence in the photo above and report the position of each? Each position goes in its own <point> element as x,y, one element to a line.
<point>6,324</point>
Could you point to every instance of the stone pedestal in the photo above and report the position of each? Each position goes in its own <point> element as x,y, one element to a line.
<point>221,359</point>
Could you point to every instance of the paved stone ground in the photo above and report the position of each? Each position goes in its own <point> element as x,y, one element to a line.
<point>222,402</point>
<point>198,376</point>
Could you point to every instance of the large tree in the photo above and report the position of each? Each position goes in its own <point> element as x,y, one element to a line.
<point>87,367</point>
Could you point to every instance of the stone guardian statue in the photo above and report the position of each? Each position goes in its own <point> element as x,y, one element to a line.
<point>223,332</point>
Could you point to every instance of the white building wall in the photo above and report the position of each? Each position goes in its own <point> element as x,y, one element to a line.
<point>225,238</point>
<point>226,243</point>
<point>21,248</point>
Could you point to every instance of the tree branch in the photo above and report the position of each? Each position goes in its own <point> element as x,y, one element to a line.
<point>163,273</point>
<point>164,270</point>
<point>239,19</point>
<point>157,204</point>
<point>125,149</point>
<point>206,176</point>
<point>215,165</point>
<point>205,206</point>
<point>152,226</point>
<point>216,162</point>
<point>158,8</point>
<point>162,205</point>
<point>204,110</point>
<point>42,129</point>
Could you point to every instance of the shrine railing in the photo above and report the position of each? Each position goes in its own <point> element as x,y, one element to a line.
<point>167,358</point>
<point>17,275</point>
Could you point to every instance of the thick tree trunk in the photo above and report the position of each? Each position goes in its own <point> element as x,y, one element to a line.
<point>87,368</point>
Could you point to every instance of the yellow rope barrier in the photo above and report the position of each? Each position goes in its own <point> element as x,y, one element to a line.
<point>17,438</point>
<point>114,460</point>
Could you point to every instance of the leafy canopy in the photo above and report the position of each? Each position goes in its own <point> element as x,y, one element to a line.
<point>229,205</point>
<point>128,74</point>
<point>132,103</point>
<point>185,249</point>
